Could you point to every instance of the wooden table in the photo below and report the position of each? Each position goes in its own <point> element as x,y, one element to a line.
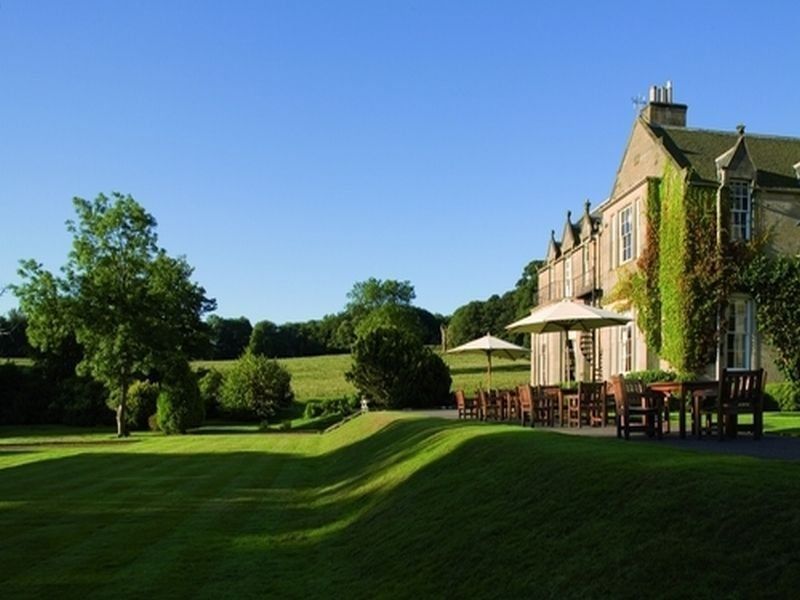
<point>682,390</point>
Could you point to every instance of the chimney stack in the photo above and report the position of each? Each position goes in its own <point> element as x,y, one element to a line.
<point>661,110</point>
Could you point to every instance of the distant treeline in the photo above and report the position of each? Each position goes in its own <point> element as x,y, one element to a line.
<point>477,318</point>
<point>333,334</point>
<point>370,301</point>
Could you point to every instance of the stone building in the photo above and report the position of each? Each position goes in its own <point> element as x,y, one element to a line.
<point>749,188</point>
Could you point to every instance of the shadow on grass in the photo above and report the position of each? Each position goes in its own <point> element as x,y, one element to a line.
<point>395,513</point>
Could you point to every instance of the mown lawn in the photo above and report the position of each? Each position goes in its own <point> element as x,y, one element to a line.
<point>390,506</point>
<point>322,377</point>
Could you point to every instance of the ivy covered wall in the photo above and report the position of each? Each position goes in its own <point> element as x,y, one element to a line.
<point>672,267</point>
<point>683,277</point>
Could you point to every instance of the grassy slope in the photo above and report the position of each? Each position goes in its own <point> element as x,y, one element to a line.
<point>322,377</point>
<point>391,506</point>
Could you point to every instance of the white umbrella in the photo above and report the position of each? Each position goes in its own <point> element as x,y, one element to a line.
<point>567,316</point>
<point>492,346</point>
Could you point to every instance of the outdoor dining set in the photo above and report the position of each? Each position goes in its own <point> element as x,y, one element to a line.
<point>630,405</point>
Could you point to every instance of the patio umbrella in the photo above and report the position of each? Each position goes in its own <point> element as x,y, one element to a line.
<point>492,346</point>
<point>567,316</point>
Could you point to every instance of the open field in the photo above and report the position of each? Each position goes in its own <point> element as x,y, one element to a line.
<point>322,377</point>
<point>390,506</point>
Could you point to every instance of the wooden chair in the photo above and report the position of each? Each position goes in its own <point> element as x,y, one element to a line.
<point>525,410</point>
<point>609,405</point>
<point>467,407</point>
<point>550,400</point>
<point>511,405</point>
<point>637,408</point>
<point>740,392</point>
<point>533,407</point>
<point>586,407</point>
<point>489,407</point>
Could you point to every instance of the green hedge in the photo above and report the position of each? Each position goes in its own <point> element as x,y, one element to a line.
<point>785,395</point>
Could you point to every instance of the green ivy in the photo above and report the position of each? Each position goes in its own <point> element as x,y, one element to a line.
<point>685,273</point>
<point>708,279</point>
<point>672,282</point>
<point>774,284</point>
<point>645,286</point>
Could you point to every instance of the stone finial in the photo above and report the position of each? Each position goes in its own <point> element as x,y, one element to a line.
<point>553,234</point>
<point>569,216</point>
<point>586,206</point>
<point>740,129</point>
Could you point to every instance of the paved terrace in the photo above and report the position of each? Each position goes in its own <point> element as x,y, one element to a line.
<point>769,446</point>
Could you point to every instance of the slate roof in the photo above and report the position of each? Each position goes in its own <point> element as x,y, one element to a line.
<point>773,156</point>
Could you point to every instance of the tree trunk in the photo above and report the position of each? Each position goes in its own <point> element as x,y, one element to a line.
<point>122,426</point>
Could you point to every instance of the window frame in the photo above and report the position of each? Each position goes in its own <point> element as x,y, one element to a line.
<point>626,242</point>
<point>739,340</point>
<point>585,265</point>
<point>741,230</point>
<point>568,288</point>
<point>625,348</point>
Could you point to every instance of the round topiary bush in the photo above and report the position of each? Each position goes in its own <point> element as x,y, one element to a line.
<point>142,400</point>
<point>392,369</point>
<point>179,406</point>
<point>141,403</point>
<point>256,388</point>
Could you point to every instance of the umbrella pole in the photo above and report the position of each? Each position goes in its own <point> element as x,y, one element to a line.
<point>489,356</point>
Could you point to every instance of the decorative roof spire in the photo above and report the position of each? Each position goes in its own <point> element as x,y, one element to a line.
<point>586,206</point>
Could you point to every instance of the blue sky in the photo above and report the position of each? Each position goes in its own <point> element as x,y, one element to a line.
<point>290,149</point>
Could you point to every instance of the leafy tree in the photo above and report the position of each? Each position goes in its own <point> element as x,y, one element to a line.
<point>393,315</point>
<point>476,318</point>
<point>468,322</point>
<point>393,369</point>
<point>526,291</point>
<point>132,308</point>
<point>256,386</point>
<point>384,303</point>
<point>774,284</point>
<point>229,337</point>
<point>374,293</point>
<point>264,339</point>
<point>13,336</point>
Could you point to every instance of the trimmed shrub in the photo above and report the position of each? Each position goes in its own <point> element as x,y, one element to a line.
<point>785,395</point>
<point>652,375</point>
<point>210,385</point>
<point>142,400</point>
<point>332,406</point>
<point>256,388</point>
<point>142,403</point>
<point>179,406</point>
<point>392,369</point>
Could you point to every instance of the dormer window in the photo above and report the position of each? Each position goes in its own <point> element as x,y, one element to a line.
<point>741,211</point>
